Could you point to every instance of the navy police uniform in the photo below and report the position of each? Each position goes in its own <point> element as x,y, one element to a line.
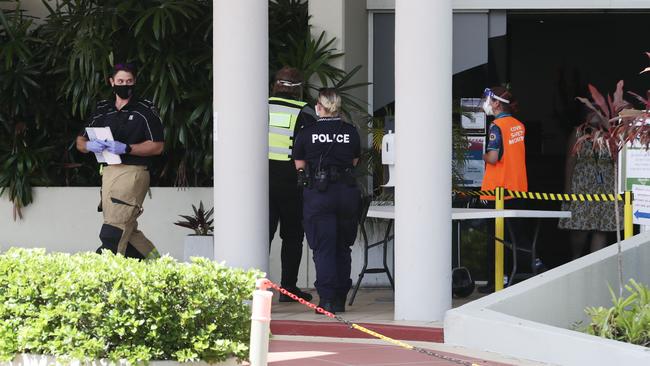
<point>331,203</point>
<point>125,185</point>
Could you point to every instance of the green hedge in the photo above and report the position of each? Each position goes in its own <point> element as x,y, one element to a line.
<point>88,306</point>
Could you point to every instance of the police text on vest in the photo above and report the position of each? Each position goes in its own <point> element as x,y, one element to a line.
<point>325,137</point>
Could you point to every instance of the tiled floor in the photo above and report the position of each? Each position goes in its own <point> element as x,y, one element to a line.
<point>328,353</point>
<point>372,307</point>
<point>316,351</point>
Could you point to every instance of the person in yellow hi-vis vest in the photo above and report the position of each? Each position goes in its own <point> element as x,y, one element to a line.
<point>287,115</point>
<point>138,137</point>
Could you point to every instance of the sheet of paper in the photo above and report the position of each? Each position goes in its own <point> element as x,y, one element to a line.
<point>104,134</point>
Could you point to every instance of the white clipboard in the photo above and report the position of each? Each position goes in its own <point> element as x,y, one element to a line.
<point>104,134</point>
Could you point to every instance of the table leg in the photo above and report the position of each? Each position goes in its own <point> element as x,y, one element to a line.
<point>386,239</point>
<point>366,247</point>
<point>365,263</point>
<point>533,248</point>
<point>513,242</point>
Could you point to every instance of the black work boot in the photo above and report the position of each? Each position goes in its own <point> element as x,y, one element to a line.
<point>339,304</point>
<point>327,305</point>
<point>296,291</point>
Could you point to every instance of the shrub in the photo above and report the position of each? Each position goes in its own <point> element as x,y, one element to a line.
<point>88,306</point>
<point>627,321</point>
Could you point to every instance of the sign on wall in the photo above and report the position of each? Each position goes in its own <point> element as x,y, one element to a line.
<point>641,204</point>
<point>473,118</point>
<point>474,168</point>
<point>636,166</point>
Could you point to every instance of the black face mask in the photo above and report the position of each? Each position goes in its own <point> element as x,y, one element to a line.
<point>123,91</point>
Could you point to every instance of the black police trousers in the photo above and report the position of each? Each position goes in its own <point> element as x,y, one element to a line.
<point>285,207</point>
<point>330,220</point>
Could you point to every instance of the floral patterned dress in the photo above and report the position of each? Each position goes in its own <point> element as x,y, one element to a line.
<point>593,173</point>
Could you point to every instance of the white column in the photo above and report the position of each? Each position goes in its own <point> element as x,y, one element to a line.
<point>423,75</point>
<point>240,59</point>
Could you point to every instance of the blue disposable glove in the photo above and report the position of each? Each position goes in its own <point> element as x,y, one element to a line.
<point>115,147</point>
<point>95,146</point>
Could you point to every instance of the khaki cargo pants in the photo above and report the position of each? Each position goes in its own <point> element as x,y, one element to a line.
<point>123,190</point>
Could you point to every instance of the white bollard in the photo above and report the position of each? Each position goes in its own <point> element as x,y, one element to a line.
<point>260,323</point>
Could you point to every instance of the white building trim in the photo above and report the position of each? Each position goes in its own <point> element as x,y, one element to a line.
<point>526,4</point>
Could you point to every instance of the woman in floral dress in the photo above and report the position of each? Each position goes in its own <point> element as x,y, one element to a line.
<point>588,170</point>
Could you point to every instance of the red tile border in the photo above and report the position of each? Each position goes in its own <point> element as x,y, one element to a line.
<point>340,330</point>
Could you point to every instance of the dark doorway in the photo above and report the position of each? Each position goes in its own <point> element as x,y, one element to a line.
<point>551,59</point>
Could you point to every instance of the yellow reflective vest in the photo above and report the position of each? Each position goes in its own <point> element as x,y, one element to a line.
<point>282,123</point>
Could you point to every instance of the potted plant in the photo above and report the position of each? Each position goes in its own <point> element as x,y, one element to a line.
<point>201,243</point>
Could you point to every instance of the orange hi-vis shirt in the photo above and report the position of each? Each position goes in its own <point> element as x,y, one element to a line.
<point>510,171</point>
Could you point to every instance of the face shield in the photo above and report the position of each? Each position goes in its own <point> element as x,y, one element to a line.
<point>488,97</point>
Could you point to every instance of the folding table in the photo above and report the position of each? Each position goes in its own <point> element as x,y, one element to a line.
<point>388,212</point>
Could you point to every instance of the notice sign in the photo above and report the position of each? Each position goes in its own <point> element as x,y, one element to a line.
<point>637,166</point>
<point>641,204</point>
<point>474,167</point>
<point>473,118</point>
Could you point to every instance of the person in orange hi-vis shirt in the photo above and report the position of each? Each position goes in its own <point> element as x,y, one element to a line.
<point>506,151</point>
<point>505,160</point>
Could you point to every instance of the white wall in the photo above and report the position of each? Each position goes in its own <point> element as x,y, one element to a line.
<point>527,4</point>
<point>66,220</point>
<point>33,7</point>
<point>534,319</point>
<point>347,20</point>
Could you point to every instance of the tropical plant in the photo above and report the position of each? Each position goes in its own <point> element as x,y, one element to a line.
<point>200,222</point>
<point>170,41</point>
<point>628,320</point>
<point>618,125</point>
<point>23,146</point>
<point>288,22</point>
<point>459,142</point>
<point>87,307</point>
<point>52,72</point>
<point>23,162</point>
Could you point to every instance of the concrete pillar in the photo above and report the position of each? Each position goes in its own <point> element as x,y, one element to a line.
<point>240,59</point>
<point>423,76</point>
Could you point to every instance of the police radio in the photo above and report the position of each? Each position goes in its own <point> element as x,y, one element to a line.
<point>321,179</point>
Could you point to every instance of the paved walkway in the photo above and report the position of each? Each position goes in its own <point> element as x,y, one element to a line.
<point>321,351</point>
<point>304,338</point>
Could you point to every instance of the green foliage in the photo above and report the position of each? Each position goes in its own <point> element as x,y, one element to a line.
<point>627,321</point>
<point>200,222</point>
<point>171,43</point>
<point>371,158</point>
<point>88,306</point>
<point>53,71</point>
<point>23,159</point>
<point>288,22</point>
<point>23,148</point>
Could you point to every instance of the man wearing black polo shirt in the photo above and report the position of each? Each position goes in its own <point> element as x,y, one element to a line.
<point>138,137</point>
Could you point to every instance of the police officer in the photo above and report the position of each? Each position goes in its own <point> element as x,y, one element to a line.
<point>138,137</point>
<point>287,115</point>
<point>325,154</point>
